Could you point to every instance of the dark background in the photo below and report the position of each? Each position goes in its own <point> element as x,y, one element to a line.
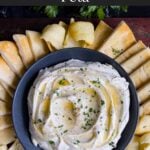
<point>68,11</point>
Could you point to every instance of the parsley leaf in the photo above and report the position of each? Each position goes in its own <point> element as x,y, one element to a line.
<point>51,11</point>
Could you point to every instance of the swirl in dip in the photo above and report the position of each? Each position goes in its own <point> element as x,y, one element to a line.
<point>78,105</point>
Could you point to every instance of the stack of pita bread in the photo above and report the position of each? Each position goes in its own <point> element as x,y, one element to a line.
<point>119,43</point>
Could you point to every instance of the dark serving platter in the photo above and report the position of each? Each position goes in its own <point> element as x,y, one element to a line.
<point>20,110</point>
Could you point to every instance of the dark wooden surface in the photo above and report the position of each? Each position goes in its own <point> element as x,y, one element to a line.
<point>140,26</point>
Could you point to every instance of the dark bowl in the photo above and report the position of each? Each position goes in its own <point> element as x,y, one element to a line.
<point>20,109</point>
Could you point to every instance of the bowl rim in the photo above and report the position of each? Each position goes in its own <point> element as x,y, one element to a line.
<point>71,51</point>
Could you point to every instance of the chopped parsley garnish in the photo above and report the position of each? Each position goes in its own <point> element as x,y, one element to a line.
<point>94,94</point>
<point>81,69</point>
<point>39,120</point>
<point>57,93</point>
<point>66,70</point>
<point>106,129</point>
<point>112,144</point>
<point>84,127</point>
<point>86,114</point>
<point>79,100</point>
<point>88,123</point>
<point>60,126</point>
<point>40,93</point>
<point>76,142</point>
<point>63,82</point>
<point>102,102</point>
<point>86,107</point>
<point>97,83</point>
<point>51,142</point>
<point>116,52</point>
<point>69,118</point>
<point>94,111</point>
<point>65,131</point>
<point>90,109</point>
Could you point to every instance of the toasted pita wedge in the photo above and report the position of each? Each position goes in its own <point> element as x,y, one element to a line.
<point>24,49</point>
<point>135,48</point>
<point>102,32</point>
<point>54,34</point>
<point>3,147</point>
<point>5,121</point>
<point>9,90</point>
<point>143,125</point>
<point>145,141</point>
<point>121,39</point>
<point>10,54</point>
<point>136,60</point>
<point>5,108</point>
<point>145,108</point>
<point>144,93</point>
<point>134,144</point>
<point>38,46</point>
<point>82,32</point>
<point>69,41</point>
<point>8,135</point>
<point>141,75</point>
<point>16,146</point>
<point>4,94</point>
<point>7,75</point>
<point>72,20</point>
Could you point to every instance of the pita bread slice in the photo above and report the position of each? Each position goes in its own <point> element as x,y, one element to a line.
<point>134,144</point>
<point>3,147</point>
<point>10,54</point>
<point>145,142</point>
<point>54,34</point>
<point>4,94</point>
<point>141,75</point>
<point>69,41</point>
<point>24,49</point>
<point>7,75</point>
<point>144,93</point>
<point>102,32</point>
<point>136,60</point>
<point>135,48</point>
<point>145,108</point>
<point>121,39</point>
<point>9,90</point>
<point>5,121</point>
<point>16,146</point>
<point>143,125</point>
<point>5,108</point>
<point>7,136</point>
<point>82,32</point>
<point>38,46</point>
